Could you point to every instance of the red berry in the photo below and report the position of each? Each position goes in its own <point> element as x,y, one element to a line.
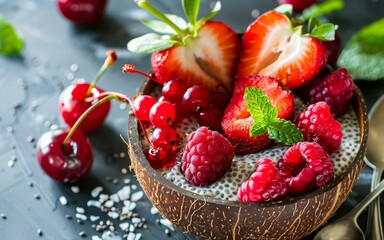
<point>318,125</point>
<point>64,164</point>
<point>336,90</point>
<point>211,117</point>
<point>207,156</point>
<point>220,99</point>
<point>305,166</point>
<point>72,104</point>
<point>173,90</point>
<point>164,137</point>
<point>333,49</point>
<point>160,158</point>
<point>162,114</point>
<point>195,98</point>
<point>298,5</point>
<point>85,12</point>
<point>142,105</point>
<point>265,184</point>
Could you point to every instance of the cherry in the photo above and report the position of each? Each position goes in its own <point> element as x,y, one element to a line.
<point>333,50</point>
<point>72,104</point>
<point>85,12</point>
<point>64,162</point>
<point>77,98</point>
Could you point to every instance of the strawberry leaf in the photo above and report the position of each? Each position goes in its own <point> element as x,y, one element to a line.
<point>191,10</point>
<point>215,10</point>
<point>285,132</point>
<point>322,8</point>
<point>363,55</point>
<point>286,9</point>
<point>150,43</point>
<point>10,42</point>
<point>259,106</point>
<point>161,27</point>
<point>323,32</point>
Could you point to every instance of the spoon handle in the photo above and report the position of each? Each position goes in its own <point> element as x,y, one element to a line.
<point>374,226</point>
<point>355,212</point>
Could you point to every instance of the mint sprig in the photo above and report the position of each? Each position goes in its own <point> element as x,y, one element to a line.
<point>11,43</point>
<point>170,29</point>
<point>363,54</point>
<point>322,8</point>
<point>266,120</point>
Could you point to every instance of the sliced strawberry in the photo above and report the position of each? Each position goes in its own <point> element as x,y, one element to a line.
<point>272,47</point>
<point>209,60</point>
<point>237,120</point>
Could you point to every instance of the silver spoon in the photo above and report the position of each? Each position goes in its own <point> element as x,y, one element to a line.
<point>375,159</point>
<point>346,227</point>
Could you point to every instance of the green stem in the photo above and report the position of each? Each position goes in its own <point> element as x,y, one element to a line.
<point>97,77</point>
<point>84,115</point>
<point>155,12</point>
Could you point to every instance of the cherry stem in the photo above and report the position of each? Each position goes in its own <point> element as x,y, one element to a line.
<point>129,68</point>
<point>155,12</point>
<point>109,61</point>
<point>104,97</point>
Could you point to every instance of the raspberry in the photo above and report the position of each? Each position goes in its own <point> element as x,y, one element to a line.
<point>318,125</point>
<point>305,166</point>
<point>207,156</point>
<point>265,184</point>
<point>336,90</point>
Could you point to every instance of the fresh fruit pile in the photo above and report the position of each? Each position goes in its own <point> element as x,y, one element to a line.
<point>242,93</point>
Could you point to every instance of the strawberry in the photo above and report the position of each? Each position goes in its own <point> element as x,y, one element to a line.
<point>237,120</point>
<point>201,52</point>
<point>273,46</point>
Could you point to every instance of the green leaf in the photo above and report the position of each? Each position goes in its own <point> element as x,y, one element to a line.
<point>11,43</point>
<point>363,55</point>
<point>324,32</point>
<point>191,10</point>
<point>259,106</point>
<point>215,10</point>
<point>150,43</point>
<point>323,8</point>
<point>285,132</point>
<point>257,128</point>
<point>162,27</point>
<point>286,9</point>
<point>313,22</point>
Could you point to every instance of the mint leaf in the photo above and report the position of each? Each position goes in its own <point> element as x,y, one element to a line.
<point>150,43</point>
<point>162,27</point>
<point>285,132</point>
<point>265,119</point>
<point>363,55</point>
<point>191,9</point>
<point>11,43</point>
<point>323,8</point>
<point>259,106</point>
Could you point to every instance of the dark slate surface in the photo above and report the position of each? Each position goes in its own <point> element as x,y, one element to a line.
<point>58,52</point>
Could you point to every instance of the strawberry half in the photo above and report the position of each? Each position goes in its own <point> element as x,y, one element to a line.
<point>208,60</point>
<point>200,52</point>
<point>237,120</point>
<point>272,46</point>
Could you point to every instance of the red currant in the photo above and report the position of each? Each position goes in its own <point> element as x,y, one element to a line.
<point>195,98</point>
<point>142,105</point>
<point>162,114</point>
<point>211,117</point>
<point>173,90</point>
<point>219,99</point>
<point>160,158</point>
<point>165,137</point>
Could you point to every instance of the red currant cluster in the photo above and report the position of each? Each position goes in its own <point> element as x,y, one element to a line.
<point>195,101</point>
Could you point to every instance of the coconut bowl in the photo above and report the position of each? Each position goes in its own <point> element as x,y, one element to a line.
<point>211,218</point>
